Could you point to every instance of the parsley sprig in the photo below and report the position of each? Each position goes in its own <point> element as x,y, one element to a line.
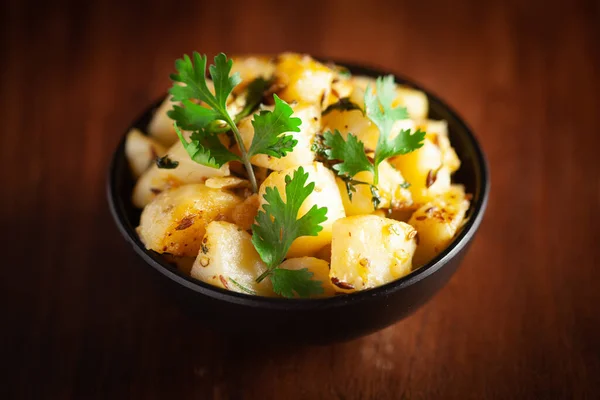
<point>378,107</point>
<point>350,152</point>
<point>277,226</point>
<point>204,120</point>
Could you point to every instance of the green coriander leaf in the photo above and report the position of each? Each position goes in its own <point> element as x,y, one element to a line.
<point>269,127</point>
<point>405,185</point>
<point>343,104</point>
<point>166,163</point>
<point>197,151</point>
<point>224,83</point>
<point>351,153</point>
<point>192,117</point>
<point>403,143</point>
<point>278,225</point>
<point>193,76</point>
<point>378,107</point>
<point>289,283</point>
<point>206,149</point>
<point>191,84</point>
<point>221,153</point>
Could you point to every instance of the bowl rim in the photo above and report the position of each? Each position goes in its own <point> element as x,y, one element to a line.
<point>464,237</point>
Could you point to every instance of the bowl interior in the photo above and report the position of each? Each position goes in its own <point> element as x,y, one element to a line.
<point>473,173</point>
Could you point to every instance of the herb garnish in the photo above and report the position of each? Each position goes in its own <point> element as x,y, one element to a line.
<point>278,225</point>
<point>343,104</point>
<point>165,162</point>
<point>350,152</point>
<point>205,147</point>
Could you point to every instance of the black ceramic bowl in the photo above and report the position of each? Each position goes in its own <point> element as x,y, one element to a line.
<point>320,320</point>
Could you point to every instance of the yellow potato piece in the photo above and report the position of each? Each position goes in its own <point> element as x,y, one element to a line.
<point>391,193</point>
<point>141,151</point>
<point>251,68</point>
<point>437,223</point>
<point>228,259</point>
<point>325,194</point>
<point>303,79</point>
<point>175,221</point>
<point>160,127</point>
<point>155,180</point>
<point>424,170</point>
<point>369,251</point>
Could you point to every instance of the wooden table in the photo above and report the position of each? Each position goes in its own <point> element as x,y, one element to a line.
<point>83,318</point>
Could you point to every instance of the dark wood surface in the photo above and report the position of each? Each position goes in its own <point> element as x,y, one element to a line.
<point>83,318</point>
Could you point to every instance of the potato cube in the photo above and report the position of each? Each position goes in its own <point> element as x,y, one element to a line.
<point>155,180</point>
<point>437,223</point>
<point>175,221</point>
<point>228,259</point>
<point>303,79</point>
<point>391,193</point>
<point>369,251</point>
<point>141,151</point>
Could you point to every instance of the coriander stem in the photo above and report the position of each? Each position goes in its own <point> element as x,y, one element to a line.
<point>263,275</point>
<point>375,173</point>
<point>245,158</point>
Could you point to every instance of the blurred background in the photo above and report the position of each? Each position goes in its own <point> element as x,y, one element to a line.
<point>84,318</point>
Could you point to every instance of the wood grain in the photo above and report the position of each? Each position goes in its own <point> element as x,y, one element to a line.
<point>83,318</point>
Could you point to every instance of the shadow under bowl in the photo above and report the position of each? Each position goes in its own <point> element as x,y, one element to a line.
<point>314,320</point>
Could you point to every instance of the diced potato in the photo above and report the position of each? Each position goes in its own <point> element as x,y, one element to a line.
<point>303,79</point>
<point>369,251</point>
<point>245,212</point>
<point>391,193</point>
<point>415,101</point>
<point>423,169</point>
<point>437,223</point>
<point>450,158</point>
<point>360,126</point>
<point>156,180</point>
<point>227,182</point>
<point>319,268</point>
<point>160,127</point>
<point>325,194</point>
<point>228,259</point>
<point>141,151</point>
<point>437,132</point>
<point>431,126</point>
<point>251,68</point>
<point>175,221</point>
<point>340,88</point>
<point>302,154</point>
